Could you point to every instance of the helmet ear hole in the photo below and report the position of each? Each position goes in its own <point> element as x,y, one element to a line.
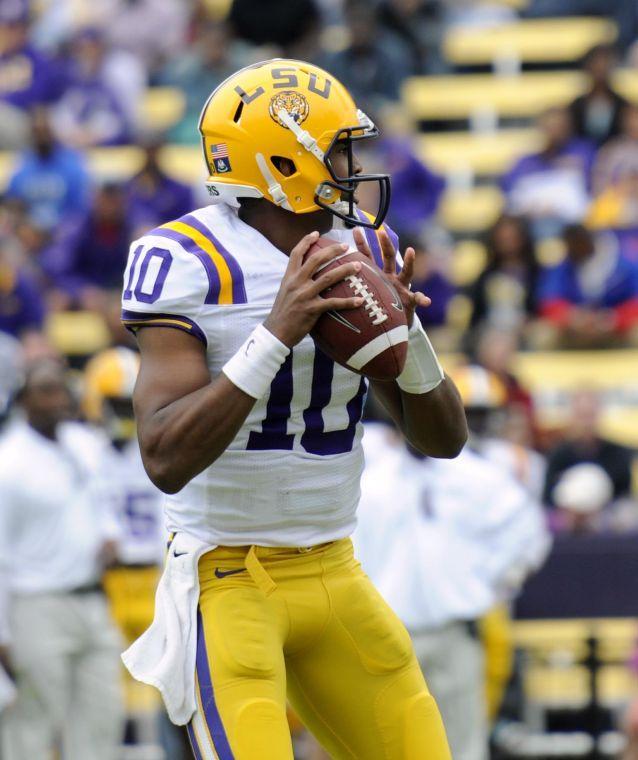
<point>285,166</point>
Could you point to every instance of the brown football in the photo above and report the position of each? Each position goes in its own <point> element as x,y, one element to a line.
<point>371,340</point>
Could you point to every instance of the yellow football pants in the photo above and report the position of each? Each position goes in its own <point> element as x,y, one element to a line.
<point>306,625</point>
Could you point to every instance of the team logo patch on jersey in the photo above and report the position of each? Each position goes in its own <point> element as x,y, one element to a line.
<point>221,161</point>
<point>293,102</point>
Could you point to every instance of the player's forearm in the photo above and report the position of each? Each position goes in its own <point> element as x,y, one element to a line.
<point>433,422</point>
<point>183,438</point>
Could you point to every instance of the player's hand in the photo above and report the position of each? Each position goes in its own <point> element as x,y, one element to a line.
<point>298,304</point>
<point>400,281</point>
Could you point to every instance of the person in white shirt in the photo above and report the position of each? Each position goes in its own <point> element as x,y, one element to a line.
<point>444,542</point>
<point>55,536</point>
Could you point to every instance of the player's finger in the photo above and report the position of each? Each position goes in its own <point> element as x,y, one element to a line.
<point>339,304</point>
<point>421,299</point>
<point>362,243</point>
<point>333,276</point>
<point>317,259</point>
<point>407,272</point>
<point>299,251</point>
<point>388,253</point>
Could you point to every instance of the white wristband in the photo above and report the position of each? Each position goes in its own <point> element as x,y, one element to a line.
<point>254,366</point>
<point>422,371</point>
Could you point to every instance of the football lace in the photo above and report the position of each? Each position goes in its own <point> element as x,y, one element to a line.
<point>370,304</point>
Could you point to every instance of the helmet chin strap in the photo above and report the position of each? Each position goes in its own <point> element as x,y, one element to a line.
<point>305,138</point>
<point>275,190</point>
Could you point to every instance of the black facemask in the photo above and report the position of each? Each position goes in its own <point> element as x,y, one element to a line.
<point>347,186</point>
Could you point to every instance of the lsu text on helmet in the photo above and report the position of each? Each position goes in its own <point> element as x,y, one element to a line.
<point>285,109</point>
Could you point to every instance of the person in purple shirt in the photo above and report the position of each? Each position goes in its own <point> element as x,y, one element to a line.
<point>90,112</point>
<point>552,187</point>
<point>51,180</point>
<point>431,281</point>
<point>416,189</point>
<point>22,306</point>
<point>27,77</point>
<point>152,196</point>
<point>87,257</point>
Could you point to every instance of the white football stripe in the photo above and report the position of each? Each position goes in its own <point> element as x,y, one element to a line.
<point>377,346</point>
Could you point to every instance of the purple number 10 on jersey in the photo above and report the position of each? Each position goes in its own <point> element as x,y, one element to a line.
<point>315,439</point>
<point>158,260</point>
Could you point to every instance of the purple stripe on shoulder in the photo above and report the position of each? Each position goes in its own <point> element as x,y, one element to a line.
<point>211,713</point>
<point>191,247</point>
<point>132,319</point>
<point>239,291</point>
<point>193,741</point>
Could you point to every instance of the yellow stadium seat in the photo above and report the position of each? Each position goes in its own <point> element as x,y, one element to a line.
<point>472,210</point>
<point>489,153</point>
<point>77,333</point>
<point>553,376</point>
<point>531,40</point>
<point>162,107</point>
<point>524,95</point>
<point>468,262</point>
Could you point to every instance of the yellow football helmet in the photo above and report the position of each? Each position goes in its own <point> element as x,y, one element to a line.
<point>478,387</point>
<point>109,381</point>
<point>285,109</point>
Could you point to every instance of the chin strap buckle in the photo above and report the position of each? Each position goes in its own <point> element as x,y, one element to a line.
<point>304,137</point>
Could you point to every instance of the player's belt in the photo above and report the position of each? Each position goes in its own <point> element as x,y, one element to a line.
<point>258,572</point>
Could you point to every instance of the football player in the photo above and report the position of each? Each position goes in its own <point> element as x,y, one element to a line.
<point>109,380</point>
<point>254,434</point>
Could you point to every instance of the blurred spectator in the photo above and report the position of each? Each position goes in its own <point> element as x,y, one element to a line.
<point>623,12</point>
<point>152,196</point>
<point>503,294</point>
<point>584,444</point>
<point>615,206</point>
<point>618,158</point>
<point>552,186</point>
<point>51,180</point>
<point>489,417</point>
<point>496,351</point>
<point>90,113</point>
<point>154,31</point>
<point>273,22</point>
<point>56,537</point>
<point>580,495</point>
<point>590,299</point>
<point>213,58</point>
<point>416,189</point>
<point>596,113</point>
<point>27,77</point>
<point>429,280</point>
<point>372,66</point>
<point>22,306</point>
<point>87,258</point>
<point>419,26</point>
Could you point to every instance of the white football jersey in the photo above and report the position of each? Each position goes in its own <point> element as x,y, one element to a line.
<point>139,509</point>
<point>291,475</point>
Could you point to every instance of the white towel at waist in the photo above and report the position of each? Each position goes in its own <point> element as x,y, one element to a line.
<point>164,655</point>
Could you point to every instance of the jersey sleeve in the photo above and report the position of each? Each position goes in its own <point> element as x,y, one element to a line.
<point>167,284</point>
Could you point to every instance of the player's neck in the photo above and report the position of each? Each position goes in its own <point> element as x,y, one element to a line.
<point>282,228</point>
